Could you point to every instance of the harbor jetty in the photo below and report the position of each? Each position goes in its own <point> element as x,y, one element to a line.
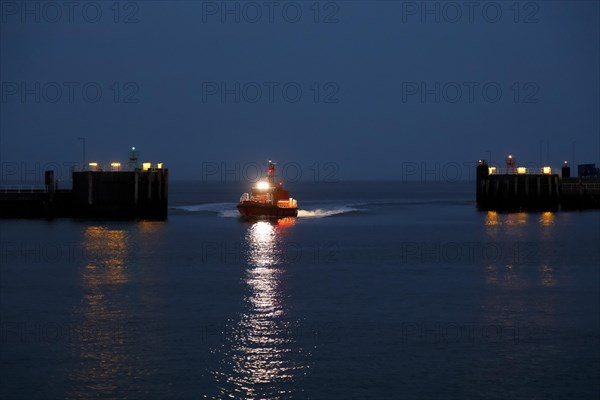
<point>97,192</point>
<point>518,188</point>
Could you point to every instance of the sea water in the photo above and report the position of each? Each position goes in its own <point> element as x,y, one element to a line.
<point>377,290</point>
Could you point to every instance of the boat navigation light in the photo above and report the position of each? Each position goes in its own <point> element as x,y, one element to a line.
<point>262,185</point>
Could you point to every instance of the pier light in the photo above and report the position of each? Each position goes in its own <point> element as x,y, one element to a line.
<point>146,166</point>
<point>159,165</point>
<point>547,170</point>
<point>262,185</point>
<point>93,166</point>
<point>521,170</point>
<point>491,170</point>
<point>115,166</point>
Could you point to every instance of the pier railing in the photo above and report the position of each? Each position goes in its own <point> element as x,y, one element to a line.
<point>580,185</point>
<point>492,170</point>
<point>23,188</point>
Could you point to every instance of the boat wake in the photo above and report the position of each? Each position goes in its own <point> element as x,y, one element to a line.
<point>228,210</point>
<point>327,212</point>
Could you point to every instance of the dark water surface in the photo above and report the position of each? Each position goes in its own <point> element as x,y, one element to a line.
<point>377,290</point>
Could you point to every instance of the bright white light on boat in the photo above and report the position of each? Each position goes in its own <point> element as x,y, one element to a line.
<point>262,185</point>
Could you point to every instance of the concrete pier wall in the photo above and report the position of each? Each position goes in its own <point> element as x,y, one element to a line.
<point>135,194</point>
<point>534,192</point>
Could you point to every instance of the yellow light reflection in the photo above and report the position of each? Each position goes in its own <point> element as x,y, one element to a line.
<point>516,219</point>
<point>105,255</point>
<point>151,227</point>
<point>506,225</point>
<point>103,317</point>
<point>261,345</point>
<point>491,218</point>
<point>287,221</point>
<point>547,219</point>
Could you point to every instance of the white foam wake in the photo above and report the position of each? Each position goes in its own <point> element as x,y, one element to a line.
<point>322,213</point>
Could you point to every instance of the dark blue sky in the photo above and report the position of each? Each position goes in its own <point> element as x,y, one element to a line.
<point>385,85</point>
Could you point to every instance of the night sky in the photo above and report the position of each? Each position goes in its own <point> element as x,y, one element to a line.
<point>370,87</point>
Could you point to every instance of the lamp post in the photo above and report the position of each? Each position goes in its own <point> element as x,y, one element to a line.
<point>489,153</point>
<point>83,152</point>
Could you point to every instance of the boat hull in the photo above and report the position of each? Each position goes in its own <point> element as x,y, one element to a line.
<point>265,210</point>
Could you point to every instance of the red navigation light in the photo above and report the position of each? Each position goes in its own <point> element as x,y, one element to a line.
<point>280,183</point>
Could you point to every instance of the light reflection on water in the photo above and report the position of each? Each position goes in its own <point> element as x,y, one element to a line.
<point>508,232</point>
<point>262,360</point>
<point>547,218</point>
<point>519,301</point>
<point>103,319</point>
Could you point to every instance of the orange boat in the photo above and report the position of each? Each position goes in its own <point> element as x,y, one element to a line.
<point>268,199</point>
